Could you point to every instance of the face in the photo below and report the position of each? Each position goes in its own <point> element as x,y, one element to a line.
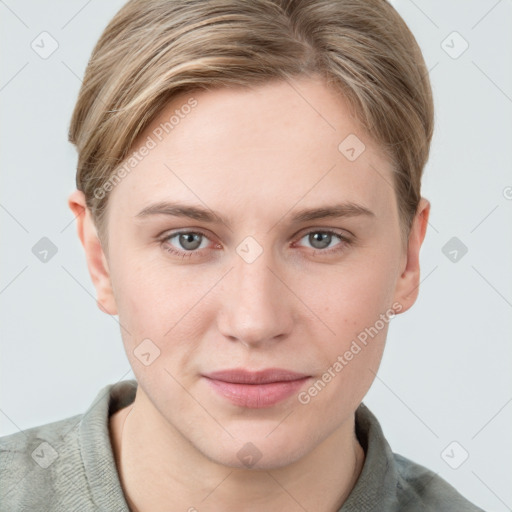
<point>255,235</point>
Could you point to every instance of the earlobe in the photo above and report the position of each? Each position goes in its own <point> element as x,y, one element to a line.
<point>95,256</point>
<point>407,287</point>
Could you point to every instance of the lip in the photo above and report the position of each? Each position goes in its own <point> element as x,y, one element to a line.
<point>256,389</point>
<point>242,376</point>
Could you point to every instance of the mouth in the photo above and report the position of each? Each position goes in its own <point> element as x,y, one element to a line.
<point>256,389</point>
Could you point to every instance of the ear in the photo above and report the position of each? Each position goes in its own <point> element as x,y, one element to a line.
<point>95,256</point>
<point>408,283</point>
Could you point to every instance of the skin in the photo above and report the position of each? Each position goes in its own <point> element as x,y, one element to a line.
<point>255,157</point>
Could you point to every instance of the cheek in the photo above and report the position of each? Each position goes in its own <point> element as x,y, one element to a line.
<point>356,306</point>
<point>159,302</point>
<point>354,301</point>
<point>351,297</point>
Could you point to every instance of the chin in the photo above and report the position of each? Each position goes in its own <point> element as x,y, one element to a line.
<point>260,453</point>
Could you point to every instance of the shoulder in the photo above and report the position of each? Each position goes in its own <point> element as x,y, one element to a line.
<point>390,482</point>
<point>37,464</point>
<point>419,488</point>
<point>67,464</point>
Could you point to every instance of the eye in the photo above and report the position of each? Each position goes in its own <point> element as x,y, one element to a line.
<point>189,243</point>
<point>325,241</point>
<point>185,243</point>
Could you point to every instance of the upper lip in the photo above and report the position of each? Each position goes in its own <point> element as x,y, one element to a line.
<point>241,376</point>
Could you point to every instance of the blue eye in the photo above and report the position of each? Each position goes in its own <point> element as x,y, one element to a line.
<point>185,243</point>
<point>325,241</point>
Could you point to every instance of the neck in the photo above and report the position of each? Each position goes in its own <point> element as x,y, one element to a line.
<point>160,470</point>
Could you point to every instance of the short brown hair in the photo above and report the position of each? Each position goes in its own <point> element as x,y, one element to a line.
<point>154,49</point>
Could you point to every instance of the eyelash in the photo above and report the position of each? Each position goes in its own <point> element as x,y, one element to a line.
<point>338,248</point>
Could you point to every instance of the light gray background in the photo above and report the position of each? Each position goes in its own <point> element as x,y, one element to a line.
<point>446,375</point>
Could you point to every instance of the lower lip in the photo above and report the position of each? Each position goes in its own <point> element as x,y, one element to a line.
<point>257,396</point>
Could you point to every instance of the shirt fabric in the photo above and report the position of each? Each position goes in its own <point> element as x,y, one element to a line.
<point>69,465</point>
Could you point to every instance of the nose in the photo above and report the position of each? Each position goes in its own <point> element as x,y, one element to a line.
<point>256,305</point>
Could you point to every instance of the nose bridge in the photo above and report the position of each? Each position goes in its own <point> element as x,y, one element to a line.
<point>255,308</point>
<point>254,282</point>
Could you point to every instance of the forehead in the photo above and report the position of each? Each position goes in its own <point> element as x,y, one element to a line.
<point>270,145</point>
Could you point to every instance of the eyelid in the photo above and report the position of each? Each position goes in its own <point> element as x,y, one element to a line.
<point>166,235</point>
<point>300,234</point>
<point>343,238</point>
<point>170,233</point>
<point>163,239</point>
<point>344,235</point>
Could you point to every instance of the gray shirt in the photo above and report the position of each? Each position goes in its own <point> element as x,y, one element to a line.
<point>69,466</point>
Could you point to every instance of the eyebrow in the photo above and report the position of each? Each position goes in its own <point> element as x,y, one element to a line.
<point>347,209</point>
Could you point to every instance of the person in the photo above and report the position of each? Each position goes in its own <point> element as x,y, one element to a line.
<point>248,199</point>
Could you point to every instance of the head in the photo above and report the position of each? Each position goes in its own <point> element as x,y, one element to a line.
<point>249,197</point>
